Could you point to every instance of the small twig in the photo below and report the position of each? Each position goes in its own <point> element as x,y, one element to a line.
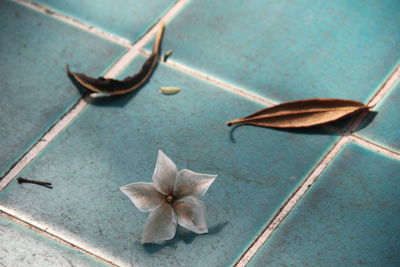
<point>23,180</point>
<point>167,55</point>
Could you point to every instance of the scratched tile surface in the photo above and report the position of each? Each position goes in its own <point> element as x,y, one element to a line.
<point>115,142</point>
<point>282,50</point>
<point>350,217</point>
<point>384,126</point>
<point>288,50</point>
<point>35,91</point>
<point>125,18</point>
<point>22,247</point>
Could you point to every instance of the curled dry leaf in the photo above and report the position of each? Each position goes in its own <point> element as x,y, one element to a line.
<point>302,113</point>
<point>127,85</point>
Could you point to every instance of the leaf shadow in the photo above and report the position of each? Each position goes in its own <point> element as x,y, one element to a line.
<point>368,120</point>
<point>335,128</point>
<point>184,235</point>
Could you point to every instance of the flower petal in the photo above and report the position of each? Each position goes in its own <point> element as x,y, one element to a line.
<point>191,214</point>
<point>193,184</point>
<point>164,174</point>
<point>144,195</point>
<point>160,225</point>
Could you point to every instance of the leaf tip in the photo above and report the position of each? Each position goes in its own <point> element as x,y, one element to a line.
<point>232,122</point>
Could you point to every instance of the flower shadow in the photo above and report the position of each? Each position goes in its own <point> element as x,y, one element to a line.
<point>184,235</point>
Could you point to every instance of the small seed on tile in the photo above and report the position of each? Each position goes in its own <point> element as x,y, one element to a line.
<point>169,90</point>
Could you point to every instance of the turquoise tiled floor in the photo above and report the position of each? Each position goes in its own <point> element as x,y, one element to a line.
<point>288,50</point>
<point>125,18</point>
<point>280,50</point>
<point>35,92</point>
<point>22,247</point>
<point>384,127</point>
<point>349,217</point>
<point>115,149</point>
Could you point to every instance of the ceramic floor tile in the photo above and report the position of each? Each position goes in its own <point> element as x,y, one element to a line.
<point>350,217</point>
<point>22,247</point>
<point>288,50</point>
<point>126,18</point>
<point>115,142</point>
<point>35,90</point>
<point>384,125</point>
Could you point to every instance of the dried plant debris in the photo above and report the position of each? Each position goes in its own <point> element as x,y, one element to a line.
<point>27,181</point>
<point>127,85</point>
<point>167,55</point>
<point>302,113</point>
<point>169,90</point>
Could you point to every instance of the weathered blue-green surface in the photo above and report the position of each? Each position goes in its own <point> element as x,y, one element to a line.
<point>282,50</point>
<point>125,18</point>
<point>22,247</point>
<point>384,125</point>
<point>35,90</point>
<point>350,217</point>
<point>289,50</point>
<point>115,142</point>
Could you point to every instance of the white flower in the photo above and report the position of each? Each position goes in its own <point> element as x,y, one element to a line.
<point>173,198</point>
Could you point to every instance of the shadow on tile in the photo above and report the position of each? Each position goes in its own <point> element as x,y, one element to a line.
<point>114,100</point>
<point>334,128</point>
<point>368,120</point>
<point>183,235</point>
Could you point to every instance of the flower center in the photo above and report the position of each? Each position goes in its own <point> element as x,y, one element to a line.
<point>169,198</point>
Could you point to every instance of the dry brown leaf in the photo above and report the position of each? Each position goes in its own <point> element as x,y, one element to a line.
<point>302,113</point>
<point>127,85</point>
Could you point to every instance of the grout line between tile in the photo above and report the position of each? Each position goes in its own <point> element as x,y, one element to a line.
<point>132,53</point>
<point>328,158</point>
<point>375,147</point>
<point>167,17</point>
<point>224,85</point>
<point>53,237</point>
<point>385,88</point>
<point>65,120</point>
<point>291,202</point>
<point>68,117</point>
<point>136,48</point>
<point>77,108</point>
<point>72,113</point>
<point>108,36</point>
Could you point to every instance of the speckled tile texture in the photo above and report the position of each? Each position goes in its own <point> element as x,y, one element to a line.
<point>350,217</point>
<point>288,50</point>
<point>22,247</point>
<point>384,125</point>
<point>115,142</point>
<point>35,91</point>
<point>124,18</point>
<point>230,59</point>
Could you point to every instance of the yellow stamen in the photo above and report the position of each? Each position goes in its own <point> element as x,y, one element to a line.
<point>170,198</point>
